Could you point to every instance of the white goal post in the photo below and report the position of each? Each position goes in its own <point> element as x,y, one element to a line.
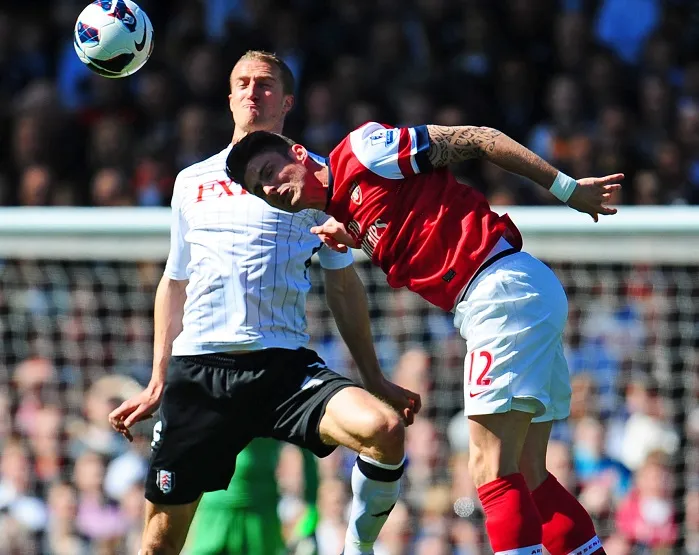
<point>648,234</point>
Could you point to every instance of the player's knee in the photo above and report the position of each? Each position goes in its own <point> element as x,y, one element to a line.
<point>489,463</point>
<point>386,436</point>
<point>478,467</point>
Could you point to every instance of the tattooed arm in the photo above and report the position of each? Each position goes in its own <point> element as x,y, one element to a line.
<point>450,145</point>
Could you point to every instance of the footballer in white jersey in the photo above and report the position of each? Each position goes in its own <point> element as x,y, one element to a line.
<point>244,292</point>
<point>230,362</point>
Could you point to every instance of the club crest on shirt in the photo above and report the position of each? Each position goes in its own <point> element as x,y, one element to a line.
<point>356,194</point>
<point>384,136</point>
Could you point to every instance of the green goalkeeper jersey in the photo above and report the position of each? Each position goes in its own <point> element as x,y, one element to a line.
<point>243,519</point>
<point>254,483</point>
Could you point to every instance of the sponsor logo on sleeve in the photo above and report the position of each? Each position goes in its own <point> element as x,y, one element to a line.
<point>384,137</point>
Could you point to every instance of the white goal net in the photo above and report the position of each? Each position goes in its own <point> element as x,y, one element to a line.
<point>76,295</point>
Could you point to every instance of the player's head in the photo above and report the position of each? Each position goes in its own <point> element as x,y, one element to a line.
<point>262,88</point>
<point>278,170</point>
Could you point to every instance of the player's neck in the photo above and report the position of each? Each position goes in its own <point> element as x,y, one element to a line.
<point>319,199</point>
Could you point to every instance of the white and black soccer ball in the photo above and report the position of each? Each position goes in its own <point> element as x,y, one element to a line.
<point>113,37</point>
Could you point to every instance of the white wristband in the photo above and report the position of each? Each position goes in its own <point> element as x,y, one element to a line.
<point>563,186</point>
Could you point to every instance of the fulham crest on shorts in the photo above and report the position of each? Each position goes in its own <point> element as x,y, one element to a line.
<point>165,480</point>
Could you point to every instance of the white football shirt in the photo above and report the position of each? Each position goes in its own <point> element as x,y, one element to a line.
<point>246,262</point>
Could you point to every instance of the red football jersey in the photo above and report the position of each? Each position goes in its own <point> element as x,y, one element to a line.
<point>424,229</point>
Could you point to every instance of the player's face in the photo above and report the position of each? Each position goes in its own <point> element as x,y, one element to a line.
<point>283,182</point>
<point>257,100</point>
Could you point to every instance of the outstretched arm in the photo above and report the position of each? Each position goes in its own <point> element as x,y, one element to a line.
<point>169,308</point>
<point>450,145</point>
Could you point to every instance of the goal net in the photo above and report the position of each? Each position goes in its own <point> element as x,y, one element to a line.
<point>76,295</point>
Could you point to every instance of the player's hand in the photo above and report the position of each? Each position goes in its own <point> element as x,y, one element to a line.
<point>593,193</point>
<point>138,408</point>
<point>334,235</point>
<point>406,403</point>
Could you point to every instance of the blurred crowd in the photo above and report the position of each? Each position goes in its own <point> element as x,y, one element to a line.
<point>595,86</point>
<point>76,339</point>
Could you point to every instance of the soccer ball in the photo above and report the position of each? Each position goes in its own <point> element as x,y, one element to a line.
<point>113,37</point>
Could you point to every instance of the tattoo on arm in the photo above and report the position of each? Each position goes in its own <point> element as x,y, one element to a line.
<point>449,145</point>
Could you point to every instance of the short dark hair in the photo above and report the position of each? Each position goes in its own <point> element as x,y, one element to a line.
<point>250,146</point>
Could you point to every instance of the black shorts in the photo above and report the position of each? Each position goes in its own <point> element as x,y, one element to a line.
<point>213,405</point>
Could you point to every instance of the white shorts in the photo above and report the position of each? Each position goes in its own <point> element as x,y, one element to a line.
<point>512,317</point>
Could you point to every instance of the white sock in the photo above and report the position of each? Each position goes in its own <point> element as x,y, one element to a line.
<point>375,488</point>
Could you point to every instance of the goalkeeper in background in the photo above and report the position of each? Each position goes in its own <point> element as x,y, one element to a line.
<point>243,520</point>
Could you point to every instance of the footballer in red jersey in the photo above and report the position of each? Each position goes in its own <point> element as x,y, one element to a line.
<point>424,229</point>
<point>390,193</point>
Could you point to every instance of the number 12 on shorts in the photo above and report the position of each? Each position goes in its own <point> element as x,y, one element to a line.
<point>479,366</point>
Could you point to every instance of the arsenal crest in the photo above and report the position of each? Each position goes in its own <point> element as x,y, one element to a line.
<point>356,194</point>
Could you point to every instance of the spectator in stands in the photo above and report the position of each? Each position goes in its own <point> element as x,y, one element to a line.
<point>61,536</point>
<point>647,516</point>
<point>194,140</point>
<point>432,545</point>
<point>129,469</point>
<point>36,385</point>
<point>323,126</point>
<point>97,517</point>
<point>645,430</point>
<point>111,142</point>
<point>45,439</point>
<point>36,186</point>
<point>552,139</point>
<point>110,188</point>
<point>647,189</point>
<point>592,465</point>
<point>17,499</point>
<point>91,433</point>
<point>425,451</point>
<point>332,523</point>
<point>436,512</point>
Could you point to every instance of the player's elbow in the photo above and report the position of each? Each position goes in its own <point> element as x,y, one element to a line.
<point>171,283</point>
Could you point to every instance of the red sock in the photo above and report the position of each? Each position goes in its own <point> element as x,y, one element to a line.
<point>567,528</point>
<point>511,518</point>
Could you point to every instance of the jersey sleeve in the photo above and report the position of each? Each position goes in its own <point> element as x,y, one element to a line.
<point>391,152</point>
<point>328,258</point>
<point>179,256</point>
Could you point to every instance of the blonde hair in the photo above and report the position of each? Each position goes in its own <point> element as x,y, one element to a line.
<point>288,81</point>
